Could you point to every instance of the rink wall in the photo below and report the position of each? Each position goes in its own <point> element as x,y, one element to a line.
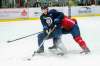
<point>13,13</point>
<point>34,13</point>
<point>79,11</point>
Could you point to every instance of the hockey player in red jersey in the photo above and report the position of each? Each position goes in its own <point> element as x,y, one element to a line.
<point>70,26</point>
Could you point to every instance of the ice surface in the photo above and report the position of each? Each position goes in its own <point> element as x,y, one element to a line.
<point>15,53</point>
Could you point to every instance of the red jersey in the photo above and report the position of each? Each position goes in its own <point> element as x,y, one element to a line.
<point>68,23</point>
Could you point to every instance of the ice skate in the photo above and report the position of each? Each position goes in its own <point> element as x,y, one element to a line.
<point>41,50</point>
<point>52,47</point>
<point>85,51</point>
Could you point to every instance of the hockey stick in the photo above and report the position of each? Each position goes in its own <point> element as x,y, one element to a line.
<point>9,41</point>
<point>42,43</point>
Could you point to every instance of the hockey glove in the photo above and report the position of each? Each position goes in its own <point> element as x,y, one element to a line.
<point>50,30</point>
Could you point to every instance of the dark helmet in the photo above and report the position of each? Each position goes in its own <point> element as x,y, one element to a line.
<point>44,7</point>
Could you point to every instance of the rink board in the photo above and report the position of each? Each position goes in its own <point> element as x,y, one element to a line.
<point>17,14</point>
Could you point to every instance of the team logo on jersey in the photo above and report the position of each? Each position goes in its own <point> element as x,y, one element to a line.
<point>49,21</point>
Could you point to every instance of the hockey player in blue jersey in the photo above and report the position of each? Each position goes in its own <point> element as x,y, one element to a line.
<point>64,25</point>
<point>49,20</point>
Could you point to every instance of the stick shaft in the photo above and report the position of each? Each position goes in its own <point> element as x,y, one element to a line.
<point>23,37</point>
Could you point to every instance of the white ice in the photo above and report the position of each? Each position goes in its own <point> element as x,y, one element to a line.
<point>15,53</point>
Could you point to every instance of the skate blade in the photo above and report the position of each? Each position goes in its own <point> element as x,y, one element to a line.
<point>84,53</point>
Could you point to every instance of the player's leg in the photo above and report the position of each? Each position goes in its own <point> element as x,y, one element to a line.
<point>54,45</point>
<point>82,44</point>
<point>77,37</point>
<point>55,35</point>
<point>41,37</point>
<point>57,43</point>
<point>60,46</point>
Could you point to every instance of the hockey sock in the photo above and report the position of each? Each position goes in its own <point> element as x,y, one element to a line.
<point>80,41</point>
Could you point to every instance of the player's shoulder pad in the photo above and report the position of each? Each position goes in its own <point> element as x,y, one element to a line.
<point>53,11</point>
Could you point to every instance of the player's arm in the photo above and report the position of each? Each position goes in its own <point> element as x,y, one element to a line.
<point>60,16</point>
<point>45,27</point>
